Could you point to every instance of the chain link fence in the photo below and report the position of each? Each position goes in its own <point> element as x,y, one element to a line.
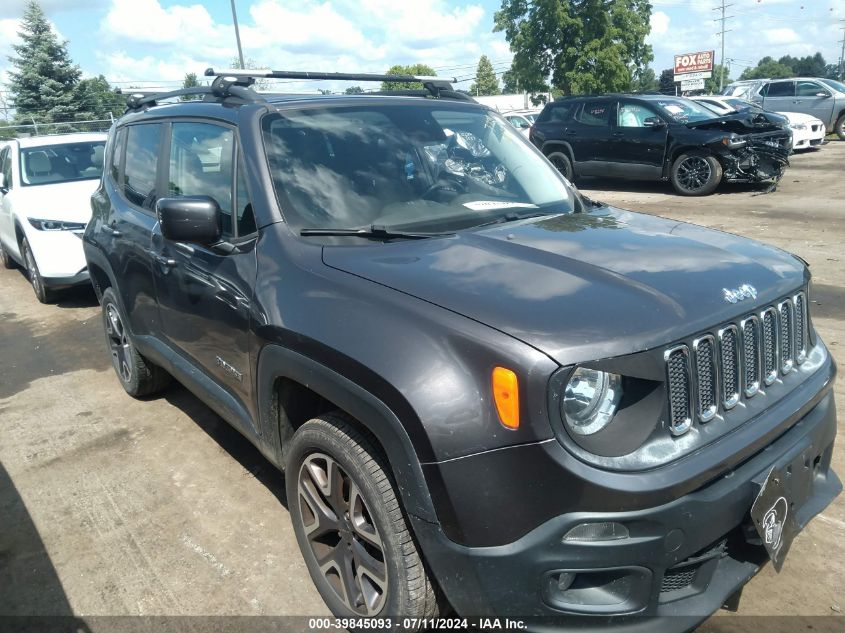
<point>42,129</point>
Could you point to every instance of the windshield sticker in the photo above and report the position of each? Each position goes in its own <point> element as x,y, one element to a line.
<point>491,205</point>
<point>674,109</point>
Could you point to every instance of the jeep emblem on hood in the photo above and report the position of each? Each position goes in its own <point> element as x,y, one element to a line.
<point>745,291</point>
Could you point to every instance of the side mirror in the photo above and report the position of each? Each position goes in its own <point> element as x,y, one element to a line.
<point>822,93</point>
<point>190,219</point>
<point>653,121</point>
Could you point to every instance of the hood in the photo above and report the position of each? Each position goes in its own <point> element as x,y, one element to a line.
<point>743,122</point>
<point>799,117</point>
<point>65,201</point>
<point>582,286</point>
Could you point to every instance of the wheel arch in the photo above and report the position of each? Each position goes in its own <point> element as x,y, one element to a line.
<point>293,388</point>
<point>552,146</point>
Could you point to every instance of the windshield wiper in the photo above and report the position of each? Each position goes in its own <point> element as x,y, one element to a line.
<point>514,217</point>
<point>375,231</point>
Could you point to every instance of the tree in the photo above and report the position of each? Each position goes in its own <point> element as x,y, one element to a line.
<point>413,69</point>
<point>767,68</point>
<point>44,78</point>
<point>486,82</point>
<point>666,83</point>
<point>354,90</point>
<point>582,45</point>
<point>96,99</point>
<point>190,81</point>
<point>510,83</point>
<point>809,66</point>
<point>645,81</point>
<point>711,86</point>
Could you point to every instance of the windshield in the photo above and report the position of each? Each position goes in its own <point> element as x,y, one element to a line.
<point>685,110</point>
<point>737,90</point>
<point>51,164</point>
<point>836,85</point>
<point>409,167</point>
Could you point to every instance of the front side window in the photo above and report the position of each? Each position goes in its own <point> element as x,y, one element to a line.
<point>633,115</point>
<point>201,164</point>
<point>808,89</point>
<point>409,167</point>
<point>139,171</point>
<point>67,162</point>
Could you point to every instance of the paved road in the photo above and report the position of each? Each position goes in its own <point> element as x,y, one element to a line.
<point>112,506</point>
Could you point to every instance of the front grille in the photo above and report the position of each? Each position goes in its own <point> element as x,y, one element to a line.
<point>729,353</point>
<point>676,579</point>
<point>736,362</point>
<point>678,378</point>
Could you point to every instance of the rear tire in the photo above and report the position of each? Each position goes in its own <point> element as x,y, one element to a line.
<point>350,525</point>
<point>839,127</point>
<point>563,164</point>
<point>6,259</point>
<point>696,174</point>
<point>42,293</point>
<point>138,376</point>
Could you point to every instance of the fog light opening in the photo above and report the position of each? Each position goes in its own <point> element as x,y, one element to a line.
<point>591,532</point>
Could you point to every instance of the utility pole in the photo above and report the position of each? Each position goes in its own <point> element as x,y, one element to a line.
<point>722,34</point>
<point>238,35</point>
<point>842,55</point>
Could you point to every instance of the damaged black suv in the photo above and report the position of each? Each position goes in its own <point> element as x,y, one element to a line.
<point>655,137</point>
<point>489,395</point>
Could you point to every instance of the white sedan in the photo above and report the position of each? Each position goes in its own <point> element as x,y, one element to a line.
<point>522,120</point>
<point>46,184</point>
<point>807,131</point>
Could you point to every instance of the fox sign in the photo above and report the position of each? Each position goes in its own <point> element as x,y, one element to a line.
<point>694,62</point>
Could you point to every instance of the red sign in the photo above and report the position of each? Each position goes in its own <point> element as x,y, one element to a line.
<point>694,62</point>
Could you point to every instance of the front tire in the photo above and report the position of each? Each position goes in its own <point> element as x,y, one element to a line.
<point>839,127</point>
<point>563,164</point>
<point>696,174</point>
<point>138,376</point>
<point>42,293</point>
<point>350,526</point>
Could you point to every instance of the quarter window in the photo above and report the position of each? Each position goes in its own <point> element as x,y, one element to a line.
<point>117,155</point>
<point>139,171</point>
<point>594,113</point>
<point>201,164</point>
<point>243,205</point>
<point>6,166</point>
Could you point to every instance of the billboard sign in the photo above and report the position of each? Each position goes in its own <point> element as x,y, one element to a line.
<point>692,76</point>
<point>701,61</point>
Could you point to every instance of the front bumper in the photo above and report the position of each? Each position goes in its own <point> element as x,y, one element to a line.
<point>59,256</point>
<point>681,561</point>
<point>805,139</point>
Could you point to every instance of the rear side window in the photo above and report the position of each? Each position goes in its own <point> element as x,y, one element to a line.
<point>139,172</point>
<point>117,155</point>
<point>594,113</point>
<point>781,89</point>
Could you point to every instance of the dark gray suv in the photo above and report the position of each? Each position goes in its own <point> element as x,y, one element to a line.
<point>489,395</point>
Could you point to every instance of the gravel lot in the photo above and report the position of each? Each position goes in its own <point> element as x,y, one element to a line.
<point>112,506</point>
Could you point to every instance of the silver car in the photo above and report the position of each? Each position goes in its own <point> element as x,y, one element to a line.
<point>821,98</point>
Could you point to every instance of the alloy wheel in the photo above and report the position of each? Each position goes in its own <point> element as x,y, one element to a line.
<point>342,535</point>
<point>694,173</point>
<point>32,272</point>
<point>118,343</point>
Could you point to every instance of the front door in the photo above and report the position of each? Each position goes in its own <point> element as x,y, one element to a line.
<point>205,292</point>
<point>813,98</point>
<point>639,141</point>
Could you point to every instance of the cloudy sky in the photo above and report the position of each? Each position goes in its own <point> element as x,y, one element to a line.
<point>153,42</point>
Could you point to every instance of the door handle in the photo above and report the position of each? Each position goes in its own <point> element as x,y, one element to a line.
<point>571,132</point>
<point>618,134</point>
<point>110,230</point>
<point>165,261</point>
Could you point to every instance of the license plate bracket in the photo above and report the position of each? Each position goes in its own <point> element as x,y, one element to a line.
<point>773,515</point>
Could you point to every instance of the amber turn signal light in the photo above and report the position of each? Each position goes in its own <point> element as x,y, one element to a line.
<point>506,396</point>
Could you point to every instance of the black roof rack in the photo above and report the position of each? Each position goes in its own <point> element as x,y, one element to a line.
<point>438,87</point>
<point>222,87</point>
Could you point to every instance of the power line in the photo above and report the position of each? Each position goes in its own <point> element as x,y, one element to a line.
<point>722,35</point>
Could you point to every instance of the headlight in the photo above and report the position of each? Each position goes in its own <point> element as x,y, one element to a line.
<point>55,225</point>
<point>734,141</point>
<point>798,126</point>
<point>590,400</point>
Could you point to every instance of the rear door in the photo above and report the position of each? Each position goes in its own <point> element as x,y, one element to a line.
<point>813,98</point>
<point>205,292</point>
<point>125,233</point>
<point>590,135</point>
<point>779,96</point>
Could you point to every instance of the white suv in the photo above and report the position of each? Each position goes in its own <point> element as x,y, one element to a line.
<point>46,184</point>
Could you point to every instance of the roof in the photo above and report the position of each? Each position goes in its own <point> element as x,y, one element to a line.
<point>60,139</point>
<point>645,96</point>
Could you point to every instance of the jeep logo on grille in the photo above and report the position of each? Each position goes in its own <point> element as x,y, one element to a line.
<point>745,291</point>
